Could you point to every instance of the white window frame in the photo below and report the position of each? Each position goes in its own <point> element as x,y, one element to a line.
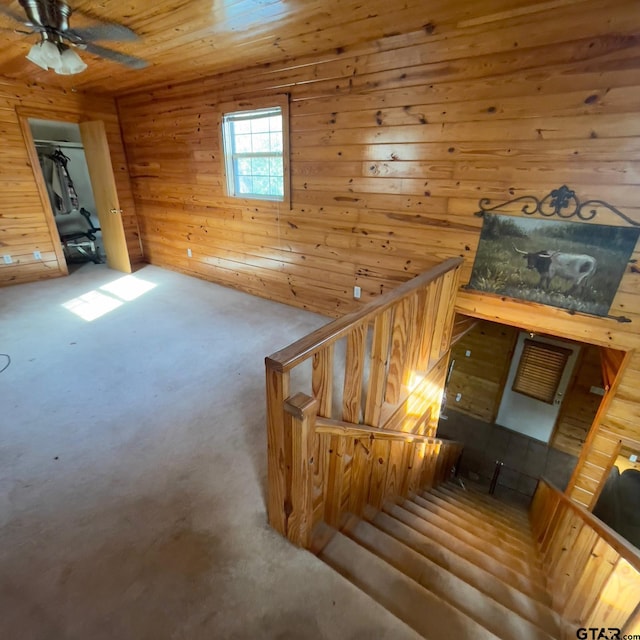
<point>280,102</point>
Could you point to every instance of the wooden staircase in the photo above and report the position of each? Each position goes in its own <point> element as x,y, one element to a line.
<point>450,563</point>
<point>357,475</point>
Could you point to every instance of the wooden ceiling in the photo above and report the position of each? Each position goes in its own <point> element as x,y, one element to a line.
<point>186,39</point>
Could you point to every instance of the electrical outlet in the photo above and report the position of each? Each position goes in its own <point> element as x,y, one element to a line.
<point>357,292</point>
<point>37,255</point>
<point>7,259</point>
<point>458,397</point>
<point>467,353</point>
<point>633,458</point>
<point>189,254</point>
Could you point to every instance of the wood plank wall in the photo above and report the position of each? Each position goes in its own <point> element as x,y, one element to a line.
<point>393,143</point>
<point>23,223</point>
<point>480,377</point>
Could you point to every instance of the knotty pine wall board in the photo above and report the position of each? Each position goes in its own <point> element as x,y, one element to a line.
<point>393,143</point>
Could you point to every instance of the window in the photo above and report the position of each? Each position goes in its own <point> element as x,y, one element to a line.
<point>540,369</point>
<point>255,144</point>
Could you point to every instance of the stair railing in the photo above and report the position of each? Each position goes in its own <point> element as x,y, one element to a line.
<point>359,429</point>
<point>593,573</point>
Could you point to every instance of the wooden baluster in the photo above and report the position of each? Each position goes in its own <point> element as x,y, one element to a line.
<point>551,528</point>
<point>408,452</point>
<point>361,474</point>
<point>380,454</point>
<point>432,301</point>
<point>398,355</point>
<point>300,414</point>
<point>322,380</point>
<point>554,549</point>
<point>444,315</point>
<point>618,597</point>
<point>428,467</point>
<point>538,506</point>
<point>417,463</point>
<point>551,504</point>
<point>573,564</point>
<point>354,369</point>
<point>586,592</point>
<point>278,451</point>
<point>395,469</point>
<point>439,461</point>
<point>422,298</point>
<point>321,446</point>
<point>409,371</point>
<point>452,280</point>
<point>335,481</point>
<point>378,368</point>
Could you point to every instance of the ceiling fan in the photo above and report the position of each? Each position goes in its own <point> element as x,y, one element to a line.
<point>58,41</point>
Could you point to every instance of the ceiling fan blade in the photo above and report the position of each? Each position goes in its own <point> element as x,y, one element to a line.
<point>105,31</point>
<point>116,56</point>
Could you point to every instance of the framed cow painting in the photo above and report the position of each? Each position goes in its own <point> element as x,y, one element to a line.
<point>561,263</point>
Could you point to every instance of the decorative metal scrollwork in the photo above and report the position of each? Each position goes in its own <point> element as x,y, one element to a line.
<point>561,202</point>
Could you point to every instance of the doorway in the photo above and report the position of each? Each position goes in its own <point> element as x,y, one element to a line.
<point>539,374</point>
<point>78,222</point>
<point>64,167</point>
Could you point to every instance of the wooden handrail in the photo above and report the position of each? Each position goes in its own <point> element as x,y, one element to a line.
<point>622,546</point>
<point>287,358</point>
<point>391,376</point>
<point>351,430</point>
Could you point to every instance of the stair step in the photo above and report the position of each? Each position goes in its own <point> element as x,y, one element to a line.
<point>518,515</point>
<point>469,524</point>
<point>483,544</point>
<point>464,597</point>
<point>489,511</point>
<point>426,613</point>
<point>491,501</point>
<point>468,502</point>
<point>432,529</point>
<point>521,603</point>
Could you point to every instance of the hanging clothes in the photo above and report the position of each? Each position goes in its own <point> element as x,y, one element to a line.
<point>62,193</point>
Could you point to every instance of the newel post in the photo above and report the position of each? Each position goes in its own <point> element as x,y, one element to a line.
<point>277,383</point>
<point>300,418</point>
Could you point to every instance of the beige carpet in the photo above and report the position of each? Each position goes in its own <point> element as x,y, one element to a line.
<point>133,469</point>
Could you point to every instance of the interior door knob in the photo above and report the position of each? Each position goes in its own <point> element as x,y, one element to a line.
<point>115,210</point>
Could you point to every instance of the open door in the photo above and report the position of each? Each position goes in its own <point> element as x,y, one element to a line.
<point>94,140</point>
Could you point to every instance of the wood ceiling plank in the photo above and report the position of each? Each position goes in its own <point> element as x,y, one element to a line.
<point>187,39</point>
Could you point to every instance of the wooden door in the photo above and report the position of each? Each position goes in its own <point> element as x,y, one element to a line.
<point>527,414</point>
<point>96,148</point>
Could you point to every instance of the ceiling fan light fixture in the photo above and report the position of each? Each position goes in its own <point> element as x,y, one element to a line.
<point>50,53</point>
<point>35,56</point>
<point>70,63</point>
<point>45,54</point>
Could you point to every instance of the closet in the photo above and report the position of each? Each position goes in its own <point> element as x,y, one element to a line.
<point>64,167</point>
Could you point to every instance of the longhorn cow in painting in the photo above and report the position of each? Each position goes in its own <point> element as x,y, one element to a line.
<point>576,268</point>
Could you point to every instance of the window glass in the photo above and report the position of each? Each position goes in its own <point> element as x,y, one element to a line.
<point>253,147</point>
